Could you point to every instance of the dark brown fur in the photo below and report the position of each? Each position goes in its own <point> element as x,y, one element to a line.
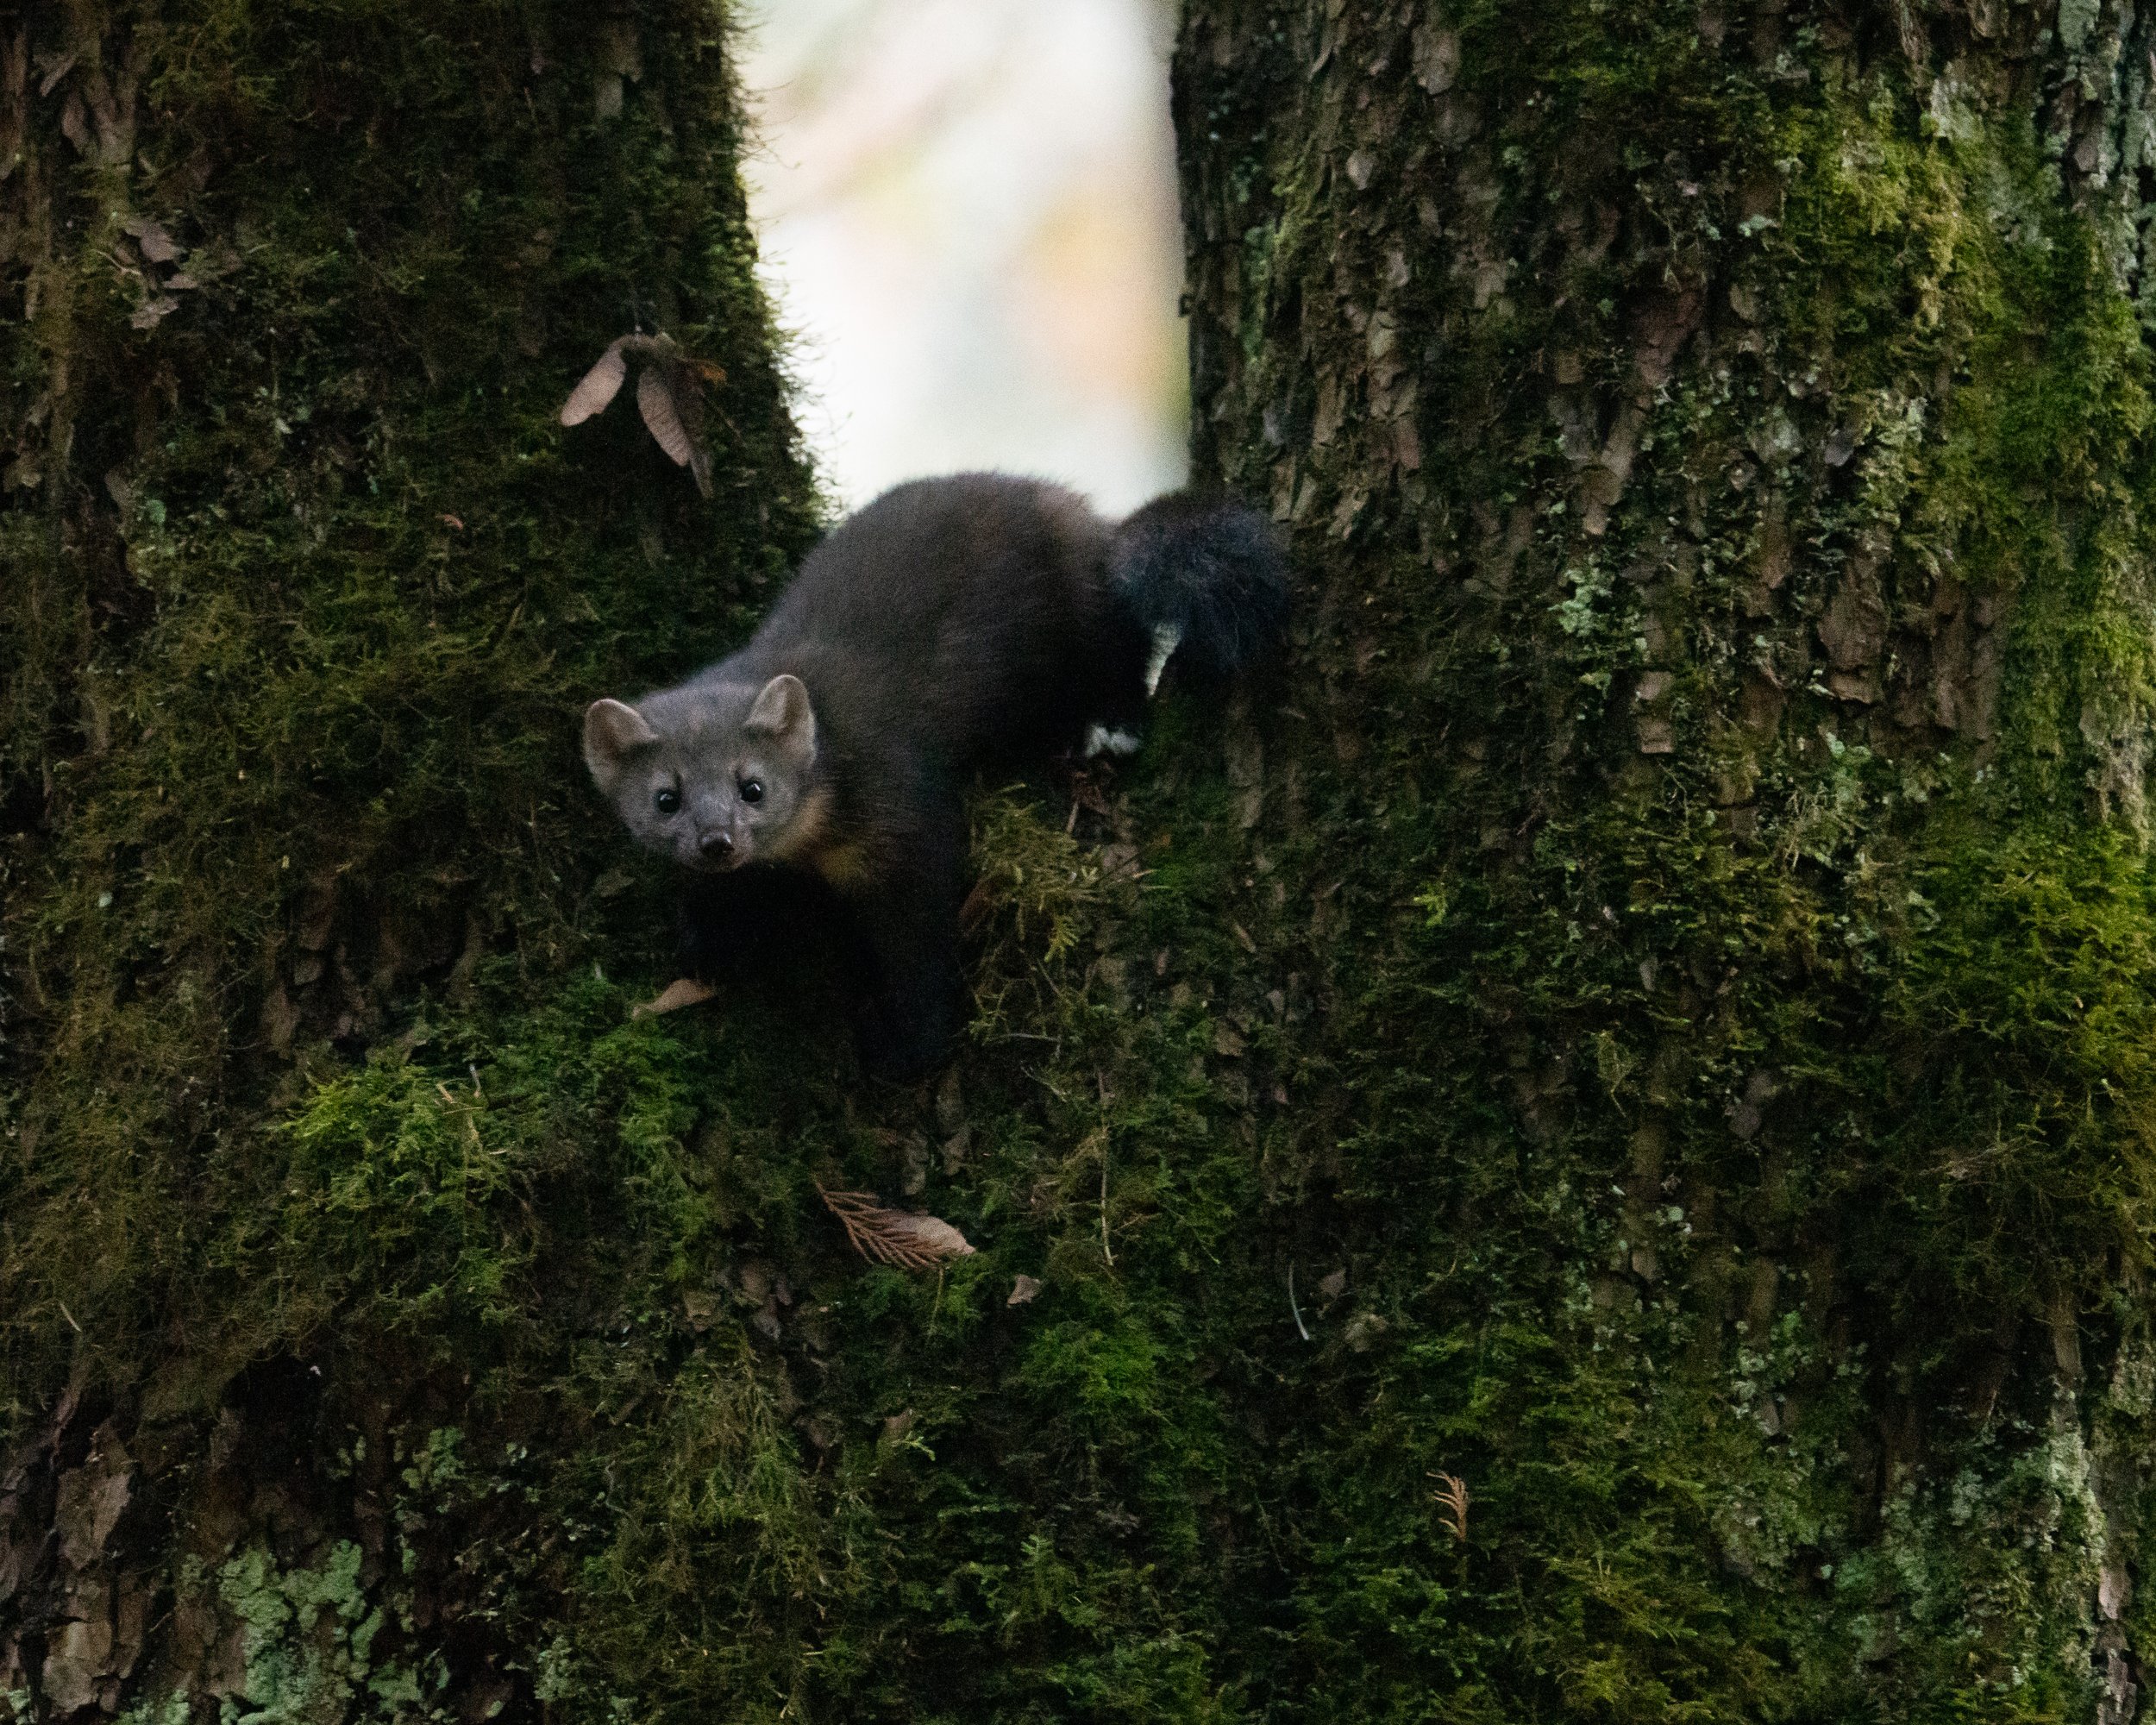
<point>950,623</point>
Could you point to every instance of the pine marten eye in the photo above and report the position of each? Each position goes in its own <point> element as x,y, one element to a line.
<point>668,800</point>
<point>752,790</point>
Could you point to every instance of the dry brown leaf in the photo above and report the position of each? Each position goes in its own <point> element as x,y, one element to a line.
<point>896,1237</point>
<point>685,991</point>
<point>599,386</point>
<point>672,408</point>
<point>654,400</point>
<point>150,313</point>
<point>157,245</point>
<point>669,396</point>
<point>1024,1291</point>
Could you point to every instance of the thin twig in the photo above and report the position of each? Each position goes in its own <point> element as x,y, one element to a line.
<point>1106,1250</point>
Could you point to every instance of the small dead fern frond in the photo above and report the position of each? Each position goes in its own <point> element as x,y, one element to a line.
<point>1452,1499</point>
<point>894,1237</point>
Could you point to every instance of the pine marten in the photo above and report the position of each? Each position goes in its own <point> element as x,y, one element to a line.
<point>951,623</point>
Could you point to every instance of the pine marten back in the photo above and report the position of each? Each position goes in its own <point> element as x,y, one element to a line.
<point>950,623</point>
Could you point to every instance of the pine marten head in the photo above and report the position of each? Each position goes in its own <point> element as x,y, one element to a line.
<point>711,775</point>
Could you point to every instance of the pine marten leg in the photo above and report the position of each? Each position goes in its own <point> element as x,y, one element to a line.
<point>909,926</point>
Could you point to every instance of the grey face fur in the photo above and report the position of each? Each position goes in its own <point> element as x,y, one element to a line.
<point>711,774</point>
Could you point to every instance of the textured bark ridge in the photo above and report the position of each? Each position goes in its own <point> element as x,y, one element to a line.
<point>1586,1154</point>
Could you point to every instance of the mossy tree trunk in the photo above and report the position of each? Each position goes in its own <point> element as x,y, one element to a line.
<point>1718,438</point>
<point>1588,1154</point>
<point>301,587</point>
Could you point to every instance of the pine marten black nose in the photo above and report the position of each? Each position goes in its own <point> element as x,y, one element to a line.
<point>715,846</point>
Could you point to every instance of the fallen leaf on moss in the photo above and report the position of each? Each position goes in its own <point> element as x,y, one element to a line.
<point>672,403</point>
<point>896,1237</point>
<point>157,245</point>
<point>654,400</point>
<point>684,991</point>
<point>1024,1291</point>
<point>599,386</point>
<point>669,396</point>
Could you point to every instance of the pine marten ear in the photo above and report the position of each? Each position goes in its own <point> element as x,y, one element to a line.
<point>782,713</point>
<point>611,730</point>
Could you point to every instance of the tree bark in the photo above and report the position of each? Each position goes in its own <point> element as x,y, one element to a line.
<point>1584,1153</point>
<point>1717,436</point>
<point>301,587</point>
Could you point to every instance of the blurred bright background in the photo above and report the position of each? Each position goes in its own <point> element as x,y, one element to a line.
<point>968,215</point>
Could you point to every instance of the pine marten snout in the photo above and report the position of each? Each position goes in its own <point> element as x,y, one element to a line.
<point>950,623</point>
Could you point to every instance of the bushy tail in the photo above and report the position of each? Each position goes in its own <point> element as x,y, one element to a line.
<point>1205,578</point>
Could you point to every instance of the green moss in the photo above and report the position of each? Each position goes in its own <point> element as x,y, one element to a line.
<point>175,1710</point>
<point>290,707</point>
<point>294,1673</point>
<point>1831,1020</point>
